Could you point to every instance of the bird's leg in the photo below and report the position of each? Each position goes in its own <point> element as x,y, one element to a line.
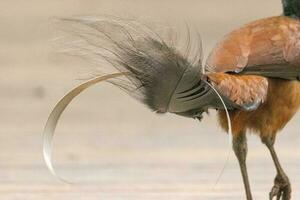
<point>282,186</point>
<point>240,150</point>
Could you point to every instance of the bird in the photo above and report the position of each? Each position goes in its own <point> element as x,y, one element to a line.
<point>251,78</point>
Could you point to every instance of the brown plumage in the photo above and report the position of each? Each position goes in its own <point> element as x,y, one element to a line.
<point>260,44</point>
<point>269,41</point>
<point>282,102</point>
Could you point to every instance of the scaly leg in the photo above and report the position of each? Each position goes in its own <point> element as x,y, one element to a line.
<point>240,150</point>
<point>282,187</point>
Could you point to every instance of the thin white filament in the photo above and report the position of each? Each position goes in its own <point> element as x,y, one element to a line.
<point>53,118</point>
<point>230,136</point>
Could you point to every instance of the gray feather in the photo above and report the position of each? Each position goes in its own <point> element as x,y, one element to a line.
<point>162,77</point>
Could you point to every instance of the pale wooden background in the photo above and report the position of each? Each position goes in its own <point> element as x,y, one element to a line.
<point>108,144</point>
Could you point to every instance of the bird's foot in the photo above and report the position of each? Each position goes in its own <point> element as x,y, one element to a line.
<point>281,189</point>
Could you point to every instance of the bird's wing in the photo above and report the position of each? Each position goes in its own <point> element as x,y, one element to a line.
<point>275,52</point>
<point>268,47</point>
<point>247,91</point>
<point>240,64</point>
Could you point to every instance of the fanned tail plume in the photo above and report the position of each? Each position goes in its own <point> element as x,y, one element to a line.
<point>161,76</point>
<point>147,67</point>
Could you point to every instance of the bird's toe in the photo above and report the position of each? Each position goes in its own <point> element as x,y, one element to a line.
<point>275,192</point>
<point>281,189</point>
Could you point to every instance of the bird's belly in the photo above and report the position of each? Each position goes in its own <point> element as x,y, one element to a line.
<point>282,103</point>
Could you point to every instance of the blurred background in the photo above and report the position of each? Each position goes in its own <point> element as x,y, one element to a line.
<point>109,145</point>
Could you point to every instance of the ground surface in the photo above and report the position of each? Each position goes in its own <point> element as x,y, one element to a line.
<point>110,146</point>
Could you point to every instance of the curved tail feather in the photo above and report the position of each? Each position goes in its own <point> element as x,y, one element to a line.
<point>156,73</point>
<point>56,113</point>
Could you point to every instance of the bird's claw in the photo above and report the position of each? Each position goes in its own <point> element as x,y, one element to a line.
<point>281,189</point>
<point>275,192</point>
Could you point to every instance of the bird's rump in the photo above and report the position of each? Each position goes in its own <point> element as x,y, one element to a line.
<point>248,91</point>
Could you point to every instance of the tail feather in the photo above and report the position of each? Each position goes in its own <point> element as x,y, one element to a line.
<point>156,72</point>
<point>161,76</point>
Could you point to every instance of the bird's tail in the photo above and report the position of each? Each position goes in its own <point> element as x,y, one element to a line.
<point>154,71</point>
<point>160,75</point>
<point>291,8</point>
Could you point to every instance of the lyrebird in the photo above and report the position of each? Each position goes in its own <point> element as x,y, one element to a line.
<point>255,70</point>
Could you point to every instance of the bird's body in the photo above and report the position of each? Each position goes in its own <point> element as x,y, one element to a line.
<point>260,62</point>
<point>266,42</point>
<point>255,69</point>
